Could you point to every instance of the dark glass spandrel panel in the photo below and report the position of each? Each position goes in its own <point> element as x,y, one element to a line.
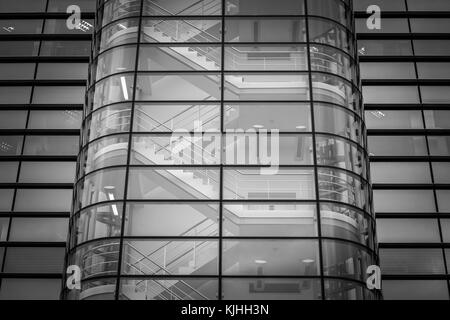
<point>270,257</point>
<point>397,145</point>
<point>269,220</point>
<point>65,48</point>
<point>250,184</point>
<point>17,71</point>
<point>39,229</point>
<point>13,119</point>
<point>385,5</point>
<point>178,116</point>
<point>179,183</point>
<point>61,5</point>
<point>390,94</point>
<point>15,95</point>
<point>408,231</point>
<point>429,5</point>
<point>174,257</point>
<point>347,290</point>
<point>102,221</point>
<point>384,47</point>
<point>432,94</point>
<point>6,199</point>
<point>400,172</point>
<point>266,87</point>
<point>116,60</point>
<point>271,289</point>
<point>112,89</point>
<point>8,171</point>
<point>437,119</point>
<point>432,47</point>
<point>172,219</point>
<point>433,70</point>
<point>405,201</point>
<point>51,145</point>
<point>343,222</point>
<point>43,200</point>
<point>265,30</point>
<point>98,289</point>
<point>65,71</point>
<point>169,289</point>
<point>415,290</point>
<point>55,119</point>
<point>439,145</point>
<point>22,6</point>
<point>394,119</point>
<point>264,7</point>
<point>189,58</point>
<point>22,26</point>
<point>102,185</point>
<point>34,260</point>
<point>117,33</point>
<point>10,145</point>
<point>47,172</point>
<point>387,70</point>
<point>59,26</point>
<point>412,261</point>
<point>269,115</point>
<point>389,25</point>
<point>58,95</point>
<point>343,259</point>
<point>186,30</point>
<point>190,87</point>
<point>30,289</point>
<point>19,48</point>
<point>183,8</point>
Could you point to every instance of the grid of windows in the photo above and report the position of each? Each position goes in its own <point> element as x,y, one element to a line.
<point>404,69</point>
<point>145,226</point>
<point>43,71</point>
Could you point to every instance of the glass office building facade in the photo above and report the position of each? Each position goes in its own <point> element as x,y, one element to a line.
<point>143,227</point>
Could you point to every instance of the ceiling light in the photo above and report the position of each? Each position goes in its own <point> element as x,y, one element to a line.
<point>308,261</point>
<point>124,87</point>
<point>260,261</point>
<point>301,127</point>
<point>258,126</point>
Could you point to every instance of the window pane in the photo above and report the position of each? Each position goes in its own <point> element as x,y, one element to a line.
<point>347,290</point>
<point>113,89</point>
<point>331,33</point>
<point>4,226</point>
<point>43,200</point>
<point>387,119</point>
<point>30,289</point>
<point>6,199</point>
<point>22,6</point>
<point>271,257</point>
<point>430,25</point>
<point>55,119</point>
<point>59,95</point>
<point>10,145</point>
<point>118,33</point>
<point>386,5</point>
<point>10,95</point>
<point>17,71</point>
<point>441,172</point>
<point>271,289</point>
<point>432,47</point>
<point>13,119</point>
<point>65,48</point>
<point>445,224</point>
<point>397,145</point>
<point>437,119</point>
<point>404,201</point>
<point>180,183</point>
<point>407,230</point>
<point>263,7</point>
<point>165,219</point>
<point>61,5</point>
<point>8,171</point>
<point>384,47</point>
<point>400,172</point>
<point>113,61</point>
<point>107,120</point>
<point>439,146</point>
<point>443,198</point>
<point>390,94</point>
<point>39,229</point>
<point>183,8</point>
<point>392,70</point>
<point>269,220</point>
<point>252,185</point>
<point>415,290</point>
<point>433,70</point>
<point>19,48</point>
<point>175,257</point>
<point>66,71</point>
<point>429,5</point>
<point>412,261</point>
<point>51,145</point>
<point>435,94</point>
<point>47,172</point>
<point>59,26</point>
<point>389,25</point>
<point>34,260</point>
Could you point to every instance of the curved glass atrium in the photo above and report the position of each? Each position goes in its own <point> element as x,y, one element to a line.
<point>223,154</point>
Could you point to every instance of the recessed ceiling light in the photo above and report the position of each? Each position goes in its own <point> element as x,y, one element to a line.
<point>308,261</point>
<point>260,261</point>
<point>300,127</point>
<point>258,126</point>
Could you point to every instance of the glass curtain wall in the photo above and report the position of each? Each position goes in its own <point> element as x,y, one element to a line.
<point>173,198</point>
